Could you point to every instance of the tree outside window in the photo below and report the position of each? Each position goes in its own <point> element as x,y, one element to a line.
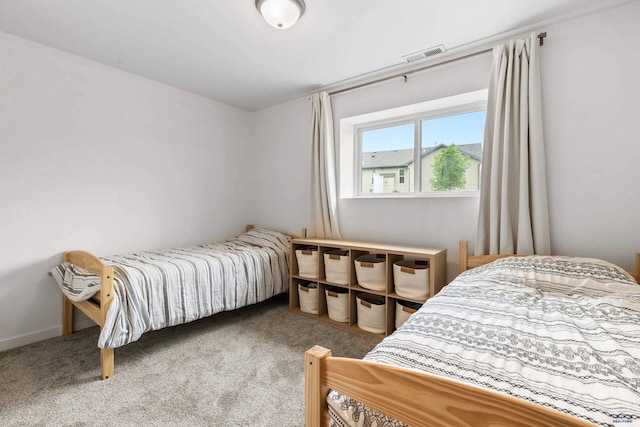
<point>450,169</point>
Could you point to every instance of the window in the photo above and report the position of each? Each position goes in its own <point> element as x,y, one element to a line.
<point>385,154</point>
<point>427,149</point>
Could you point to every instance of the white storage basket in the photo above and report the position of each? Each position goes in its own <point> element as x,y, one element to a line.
<point>371,313</point>
<point>371,271</point>
<point>411,279</point>
<point>308,297</point>
<point>338,304</point>
<point>307,262</point>
<point>336,266</point>
<point>404,310</point>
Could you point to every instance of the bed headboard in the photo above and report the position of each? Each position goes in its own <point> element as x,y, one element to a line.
<point>636,274</point>
<point>466,262</point>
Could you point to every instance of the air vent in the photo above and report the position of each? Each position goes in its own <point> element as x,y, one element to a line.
<point>416,56</point>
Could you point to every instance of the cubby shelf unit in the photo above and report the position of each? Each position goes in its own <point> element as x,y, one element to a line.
<point>436,258</point>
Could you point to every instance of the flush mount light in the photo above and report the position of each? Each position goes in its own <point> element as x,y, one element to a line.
<point>280,14</point>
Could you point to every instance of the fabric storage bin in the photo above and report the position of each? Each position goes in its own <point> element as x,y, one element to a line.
<point>337,304</point>
<point>411,278</point>
<point>371,271</point>
<point>404,309</point>
<point>336,266</point>
<point>371,313</point>
<point>307,262</point>
<point>308,297</point>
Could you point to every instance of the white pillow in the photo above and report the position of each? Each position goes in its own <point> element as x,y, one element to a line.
<point>76,283</point>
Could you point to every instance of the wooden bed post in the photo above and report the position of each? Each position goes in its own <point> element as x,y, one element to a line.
<point>67,316</point>
<point>107,361</point>
<point>463,256</point>
<point>67,310</point>
<point>315,392</point>
<point>106,296</point>
<point>636,275</point>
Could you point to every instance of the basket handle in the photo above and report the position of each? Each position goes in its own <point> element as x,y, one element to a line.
<point>408,270</point>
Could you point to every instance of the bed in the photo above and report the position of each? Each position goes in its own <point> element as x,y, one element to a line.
<point>127,295</point>
<point>525,340</point>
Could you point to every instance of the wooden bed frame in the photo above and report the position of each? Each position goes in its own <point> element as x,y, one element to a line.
<point>96,308</point>
<point>416,398</point>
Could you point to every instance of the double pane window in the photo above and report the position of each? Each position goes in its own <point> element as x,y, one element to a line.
<point>433,153</point>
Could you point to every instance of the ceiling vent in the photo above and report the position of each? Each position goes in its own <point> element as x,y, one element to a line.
<point>416,56</point>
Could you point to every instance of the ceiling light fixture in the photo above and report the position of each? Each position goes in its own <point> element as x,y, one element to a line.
<point>281,14</point>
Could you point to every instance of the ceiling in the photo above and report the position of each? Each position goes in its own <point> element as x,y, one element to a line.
<point>223,50</point>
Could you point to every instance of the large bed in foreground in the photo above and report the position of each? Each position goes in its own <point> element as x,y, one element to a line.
<point>127,295</point>
<point>519,341</point>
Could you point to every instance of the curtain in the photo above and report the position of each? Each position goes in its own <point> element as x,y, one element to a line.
<point>513,214</point>
<point>323,200</point>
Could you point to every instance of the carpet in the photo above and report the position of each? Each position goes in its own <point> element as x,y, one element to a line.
<point>238,368</point>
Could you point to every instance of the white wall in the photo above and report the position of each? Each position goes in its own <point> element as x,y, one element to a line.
<point>97,159</point>
<point>591,98</point>
<point>280,153</point>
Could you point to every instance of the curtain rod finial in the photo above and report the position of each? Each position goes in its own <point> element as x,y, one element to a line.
<point>541,37</point>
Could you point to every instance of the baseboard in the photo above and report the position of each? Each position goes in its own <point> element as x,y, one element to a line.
<point>44,334</point>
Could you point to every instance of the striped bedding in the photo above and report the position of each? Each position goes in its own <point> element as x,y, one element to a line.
<point>154,290</point>
<point>559,332</point>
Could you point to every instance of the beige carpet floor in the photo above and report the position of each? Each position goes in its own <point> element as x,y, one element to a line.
<point>239,368</point>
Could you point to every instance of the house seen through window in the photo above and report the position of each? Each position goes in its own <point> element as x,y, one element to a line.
<point>432,148</point>
<point>435,154</point>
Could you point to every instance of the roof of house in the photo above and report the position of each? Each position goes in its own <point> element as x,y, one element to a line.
<point>403,158</point>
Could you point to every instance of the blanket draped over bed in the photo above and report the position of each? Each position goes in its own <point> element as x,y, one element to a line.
<point>559,332</point>
<point>154,290</point>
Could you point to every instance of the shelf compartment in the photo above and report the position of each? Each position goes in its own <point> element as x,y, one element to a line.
<point>336,266</point>
<point>337,303</point>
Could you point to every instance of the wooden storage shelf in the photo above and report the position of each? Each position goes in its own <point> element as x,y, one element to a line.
<point>437,264</point>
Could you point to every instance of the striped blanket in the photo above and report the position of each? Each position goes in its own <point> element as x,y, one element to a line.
<point>154,290</point>
<point>560,332</point>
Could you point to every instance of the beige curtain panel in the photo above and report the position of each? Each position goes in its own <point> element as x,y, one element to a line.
<point>323,197</point>
<point>513,215</point>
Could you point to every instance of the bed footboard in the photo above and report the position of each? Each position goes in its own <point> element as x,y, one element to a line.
<point>95,308</point>
<point>415,398</point>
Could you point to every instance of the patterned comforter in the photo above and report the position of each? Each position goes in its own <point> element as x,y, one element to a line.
<point>559,332</point>
<point>154,290</point>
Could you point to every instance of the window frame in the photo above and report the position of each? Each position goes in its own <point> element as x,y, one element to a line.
<point>414,114</point>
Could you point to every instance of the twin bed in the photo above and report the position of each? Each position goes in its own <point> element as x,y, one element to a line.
<point>127,295</point>
<point>517,341</point>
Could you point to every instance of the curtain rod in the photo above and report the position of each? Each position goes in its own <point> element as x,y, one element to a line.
<point>541,37</point>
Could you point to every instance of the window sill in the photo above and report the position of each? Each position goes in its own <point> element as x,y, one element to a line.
<point>434,194</point>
